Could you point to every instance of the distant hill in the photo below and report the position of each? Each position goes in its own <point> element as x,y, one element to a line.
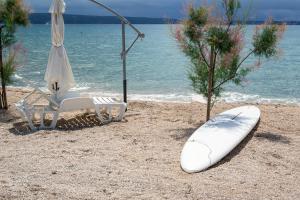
<point>276,22</point>
<point>43,18</point>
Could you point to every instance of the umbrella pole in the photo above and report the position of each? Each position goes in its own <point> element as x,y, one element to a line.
<point>124,63</point>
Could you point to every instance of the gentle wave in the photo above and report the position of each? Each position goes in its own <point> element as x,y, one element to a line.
<point>228,97</point>
<point>17,77</point>
<point>232,97</point>
<point>80,89</point>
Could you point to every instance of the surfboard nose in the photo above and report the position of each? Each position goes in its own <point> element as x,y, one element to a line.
<point>195,157</point>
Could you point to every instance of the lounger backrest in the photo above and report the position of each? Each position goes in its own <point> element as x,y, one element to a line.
<point>78,103</point>
<point>51,100</point>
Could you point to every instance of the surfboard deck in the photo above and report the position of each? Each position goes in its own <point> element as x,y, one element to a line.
<point>218,137</point>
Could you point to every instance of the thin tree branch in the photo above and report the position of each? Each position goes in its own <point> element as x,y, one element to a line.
<point>232,77</point>
<point>229,24</point>
<point>213,103</point>
<point>213,70</point>
<point>202,54</point>
<point>230,20</point>
<point>249,54</point>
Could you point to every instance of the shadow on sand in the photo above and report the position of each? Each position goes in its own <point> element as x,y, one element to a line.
<point>184,133</point>
<point>78,122</point>
<point>7,116</point>
<point>273,137</point>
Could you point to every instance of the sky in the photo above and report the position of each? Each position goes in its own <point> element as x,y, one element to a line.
<point>260,9</point>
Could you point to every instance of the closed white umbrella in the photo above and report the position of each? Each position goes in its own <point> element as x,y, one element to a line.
<point>59,75</point>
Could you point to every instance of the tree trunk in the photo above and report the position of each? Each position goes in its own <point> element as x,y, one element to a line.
<point>1,99</point>
<point>209,94</point>
<point>3,102</point>
<point>210,83</point>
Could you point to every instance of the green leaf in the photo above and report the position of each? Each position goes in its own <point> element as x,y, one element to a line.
<point>9,68</point>
<point>219,38</point>
<point>265,40</point>
<point>13,13</point>
<point>231,8</point>
<point>198,16</point>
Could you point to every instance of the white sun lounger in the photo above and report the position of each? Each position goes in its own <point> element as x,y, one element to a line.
<point>71,104</point>
<point>108,103</point>
<point>28,109</point>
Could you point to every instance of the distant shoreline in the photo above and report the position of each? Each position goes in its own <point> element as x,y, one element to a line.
<point>45,18</point>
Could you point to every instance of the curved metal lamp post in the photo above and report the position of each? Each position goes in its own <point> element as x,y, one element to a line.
<point>125,50</point>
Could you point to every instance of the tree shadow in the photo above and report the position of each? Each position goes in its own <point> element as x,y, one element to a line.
<point>273,137</point>
<point>185,133</point>
<point>7,116</point>
<point>78,122</point>
<point>237,149</point>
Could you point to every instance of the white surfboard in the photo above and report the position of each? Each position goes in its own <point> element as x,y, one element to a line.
<point>218,137</point>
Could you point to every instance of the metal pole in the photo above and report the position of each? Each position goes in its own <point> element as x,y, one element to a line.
<point>124,21</point>
<point>3,92</point>
<point>1,69</point>
<point>124,62</point>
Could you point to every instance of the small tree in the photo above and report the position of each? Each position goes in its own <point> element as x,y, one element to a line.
<point>214,42</point>
<point>13,13</point>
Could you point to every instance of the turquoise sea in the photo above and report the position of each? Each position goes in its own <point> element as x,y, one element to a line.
<point>156,67</point>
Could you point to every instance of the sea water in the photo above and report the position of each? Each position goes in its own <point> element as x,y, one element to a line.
<point>156,67</point>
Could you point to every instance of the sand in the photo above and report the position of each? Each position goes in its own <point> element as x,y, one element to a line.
<point>138,158</point>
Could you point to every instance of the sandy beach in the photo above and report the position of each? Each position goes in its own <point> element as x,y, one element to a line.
<point>138,158</point>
